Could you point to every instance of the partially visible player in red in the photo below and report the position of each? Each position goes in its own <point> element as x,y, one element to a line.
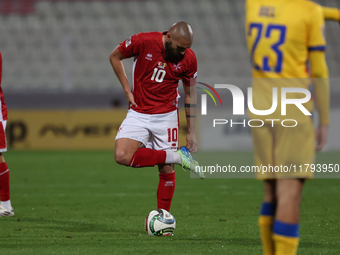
<point>6,208</point>
<point>149,134</point>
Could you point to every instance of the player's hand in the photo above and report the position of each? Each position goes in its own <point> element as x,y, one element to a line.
<point>130,99</point>
<point>321,136</point>
<point>191,143</point>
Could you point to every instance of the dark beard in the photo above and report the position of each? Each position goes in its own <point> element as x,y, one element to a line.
<point>170,56</point>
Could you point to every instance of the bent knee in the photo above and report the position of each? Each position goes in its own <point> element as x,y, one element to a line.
<point>122,157</point>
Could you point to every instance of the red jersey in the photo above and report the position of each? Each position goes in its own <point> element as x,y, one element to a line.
<point>155,80</point>
<point>3,114</point>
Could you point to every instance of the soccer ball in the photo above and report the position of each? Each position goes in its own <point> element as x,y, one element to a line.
<point>160,223</point>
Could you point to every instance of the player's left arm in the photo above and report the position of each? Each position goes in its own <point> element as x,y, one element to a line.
<point>116,58</point>
<point>331,13</point>
<point>190,102</point>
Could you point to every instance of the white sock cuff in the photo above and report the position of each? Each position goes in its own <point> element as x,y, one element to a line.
<point>173,157</point>
<point>7,204</point>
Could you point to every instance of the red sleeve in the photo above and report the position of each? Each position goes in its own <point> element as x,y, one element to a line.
<point>189,78</point>
<point>131,46</point>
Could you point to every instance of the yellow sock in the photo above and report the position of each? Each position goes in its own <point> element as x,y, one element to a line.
<point>285,245</point>
<point>266,224</point>
<point>286,237</point>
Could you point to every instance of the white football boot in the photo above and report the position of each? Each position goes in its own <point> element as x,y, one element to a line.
<point>6,212</point>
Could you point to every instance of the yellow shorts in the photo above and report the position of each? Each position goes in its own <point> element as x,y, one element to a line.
<point>282,152</point>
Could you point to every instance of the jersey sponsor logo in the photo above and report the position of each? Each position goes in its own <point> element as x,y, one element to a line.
<point>149,56</point>
<point>127,42</point>
<point>177,67</point>
<point>161,65</point>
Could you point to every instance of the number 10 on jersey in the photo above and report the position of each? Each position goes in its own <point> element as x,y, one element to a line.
<point>158,75</point>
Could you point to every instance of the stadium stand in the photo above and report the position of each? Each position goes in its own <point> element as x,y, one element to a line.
<point>64,46</point>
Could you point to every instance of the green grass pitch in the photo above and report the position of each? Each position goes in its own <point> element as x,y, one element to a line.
<point>84,203</point>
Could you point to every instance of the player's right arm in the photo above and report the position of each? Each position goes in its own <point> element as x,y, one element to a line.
<point>331,13</point>
<point>319,73</point>
<point>131,47</point>
<point>116,58</point>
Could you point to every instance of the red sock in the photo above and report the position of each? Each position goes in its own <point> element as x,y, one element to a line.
<point>146,157</point>
<point>166,189</point>
<point>4,182</point>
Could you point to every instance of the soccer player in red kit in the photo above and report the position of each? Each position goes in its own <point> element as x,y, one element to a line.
<point>149,134</point>
<point>6,208</point>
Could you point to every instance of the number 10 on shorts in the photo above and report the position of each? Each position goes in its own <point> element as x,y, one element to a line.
<point>172,135</point>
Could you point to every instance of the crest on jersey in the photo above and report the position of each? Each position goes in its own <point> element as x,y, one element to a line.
<point>161,65</point>
<point>177,67</point>
<point>127,42</point>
